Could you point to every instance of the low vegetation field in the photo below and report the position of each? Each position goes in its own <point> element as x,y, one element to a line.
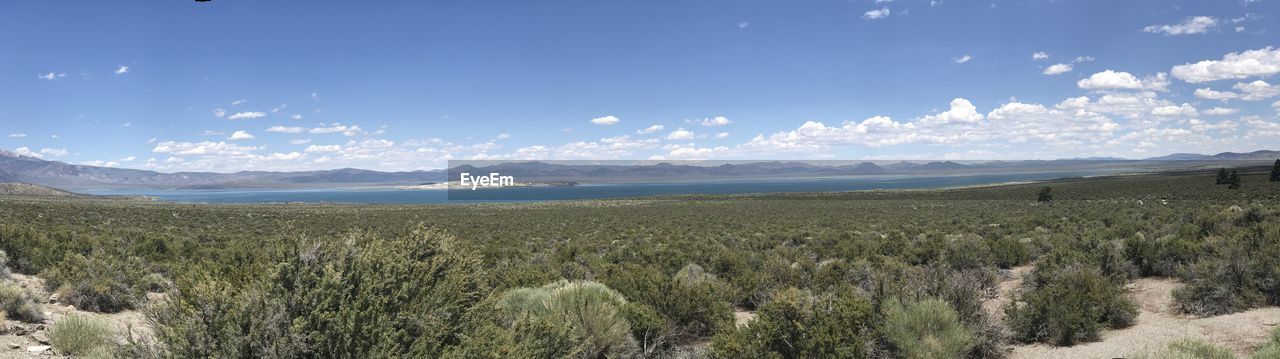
<point>913,274</point>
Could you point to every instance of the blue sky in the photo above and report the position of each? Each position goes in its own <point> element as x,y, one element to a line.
<point>292,85</point>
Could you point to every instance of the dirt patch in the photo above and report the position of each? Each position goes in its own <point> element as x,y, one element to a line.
<point>742,317</point>
<point>1011,281</point>
<point>1158,324</point>
<point>15,342</point>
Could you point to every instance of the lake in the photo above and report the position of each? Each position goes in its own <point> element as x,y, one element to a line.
<point>388,195</point>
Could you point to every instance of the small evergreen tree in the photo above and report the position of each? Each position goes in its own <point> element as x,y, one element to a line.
<point>1234,180</point>
<point>1275,172</point>
<point>1046,195</point>
<point>1222,176</point>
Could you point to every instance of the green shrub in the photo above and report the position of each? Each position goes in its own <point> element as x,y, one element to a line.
<point>797,324</point>
<point>647,327</point>
<point>592,309</point>
<point>1270,350</point>
<point>16,303</point>
<point>1188,349</point>
<point>926,329</point>
<point>1071,306</point>
<point>97,283</point>
<point>79,335</point>
<point>358,296</point>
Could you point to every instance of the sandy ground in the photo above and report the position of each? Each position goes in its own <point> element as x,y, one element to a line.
<point>13,345</point>
<point>742,317</point>
<point>1157,325</point>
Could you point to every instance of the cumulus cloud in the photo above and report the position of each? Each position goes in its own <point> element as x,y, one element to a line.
<point>607,120</point>
<point>217,112</point>
<point>1257,90</point>
<point>962,59</point>
<point>1183,110</point>
<point>17,135</point>
<point>1039,56</point>
<point>121,70</point>
<point>24,151</point>
<point>680,135</point>
<point>650,129</point>
<point>240,135</point>
<point>338,128</point>
<point>1119,80</point>
<point>283,129</point>
<point>54,152</point>
<point>1252,63</point>
<point>296,116</point>
<point>202,148</point>
<point>1085,58</point>
<point>1192,25</point>
<point>710,122</point>
<point>721,135</point>
<point>246,115</point>
<point>237,102</point>
<point>1057,69</point>
<point>876,14</point>
<point>1211,94</point>
<point>100,163</point>
<point>1221,111</point>
<point>300,141</point>
<point>319,148</point>
<point>962,111</point>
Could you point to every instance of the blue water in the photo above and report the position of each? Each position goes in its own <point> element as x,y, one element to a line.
<point>586,191</point>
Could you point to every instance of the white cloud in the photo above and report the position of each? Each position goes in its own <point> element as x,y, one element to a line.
<point>296,116</point>
<point>100,163</point>
<point>876,14</point>
<point>710,122</point>
<point>54,152</point>
<point>282,156</point>
<point>1261,62</point>
<point>743,24</point>
<point>300,142</point>
<point>283,129</point>
<point>502,136</point>
<point>1211,94</point>
<point>680,135</point>
<point>217,112</point>
<point>1257,90</point>
<point>1119,80</point>
<point>240,135</point>
<point>1221,111</point>
<point>319,148</point>
<point>338,128</point>
<point>607,120</point>
<point>24,151</point>
<point>962,59</point>
<point>1039,56</point>
<point>237,102</point>
<point>246,115</point>
<point>1192,25</point>
<point>1056,69</point>
<point>721,135</point>
<point>650,129</point>
<point>1085,58</point>
<point>315,96</point>
<point>128,159</point>
<point>962,111</point>
<point>1183,110</point>
<point>51,76</point>
<point>121,70</point>
<point>17,135</point>
<point>202,148</point>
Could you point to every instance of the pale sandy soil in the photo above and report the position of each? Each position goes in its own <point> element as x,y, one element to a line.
<point>1157,325</point>
<point>742,317</point>
<point>121,323</point>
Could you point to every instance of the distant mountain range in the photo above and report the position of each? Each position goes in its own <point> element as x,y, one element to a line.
<point>26,169</point>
